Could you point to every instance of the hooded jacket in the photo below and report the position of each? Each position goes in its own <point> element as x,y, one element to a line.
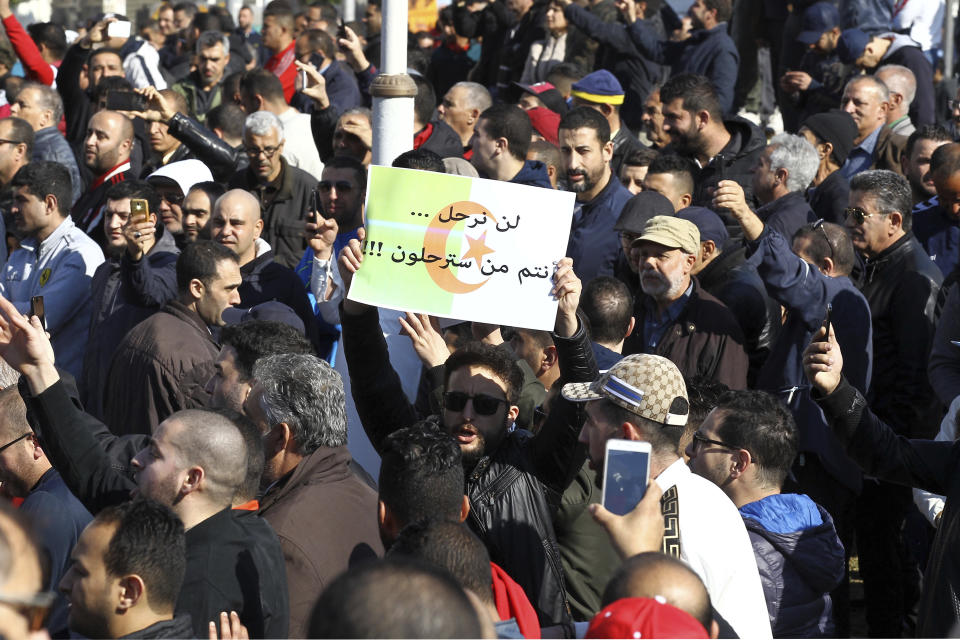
<point>534,174</point>
<point>707,52</point>
<point>800,559</point>
<point>740,154</point>
<point>122,295</point>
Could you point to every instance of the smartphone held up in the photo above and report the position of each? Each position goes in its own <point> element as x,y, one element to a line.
<point>626,472</point>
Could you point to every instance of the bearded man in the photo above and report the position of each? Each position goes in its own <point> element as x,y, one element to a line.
<point>677,319</point>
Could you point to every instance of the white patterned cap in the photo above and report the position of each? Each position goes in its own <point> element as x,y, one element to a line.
<point>647,385</point>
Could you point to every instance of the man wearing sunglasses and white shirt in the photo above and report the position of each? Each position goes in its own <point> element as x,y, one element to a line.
<point>512,478</point>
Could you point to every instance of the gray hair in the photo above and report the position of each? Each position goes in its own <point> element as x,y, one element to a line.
<point>477,95</point>
<point>899,79</point>
<point>306,393</point>
<point>48,99</point>
<point>877,86</point>
<point>797,156</point>
<point>359,111</point>
<point>890,192</point>
<point>261,123</point>
<point>210,39</point>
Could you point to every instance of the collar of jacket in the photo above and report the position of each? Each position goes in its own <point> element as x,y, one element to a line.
<point>783,202</point>
<point>326,464</point>
<point>682,325</point>
<point>717,268</point>
<point>188,315</point>
<point>180,626</point>
<point>254,265</point>
<point>873,266</point>
<point>605,194</point>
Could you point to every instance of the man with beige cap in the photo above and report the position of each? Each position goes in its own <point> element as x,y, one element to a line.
<point>644,398</point>
<point>677,319</point>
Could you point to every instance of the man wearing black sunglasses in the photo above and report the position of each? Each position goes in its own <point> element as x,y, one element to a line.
<point>511,478</point>
<point>901,284</point>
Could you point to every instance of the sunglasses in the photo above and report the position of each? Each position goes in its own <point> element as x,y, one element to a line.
<point>699,439</point>
<point>858,214</point>
<point>483,404</point>
<point>342,186</point>
<point>172,198</point>
<point>819,225</point>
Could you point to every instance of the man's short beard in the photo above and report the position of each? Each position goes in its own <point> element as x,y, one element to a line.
<point>668,289</point>
<point>689,143</point>
<point>581,187</point>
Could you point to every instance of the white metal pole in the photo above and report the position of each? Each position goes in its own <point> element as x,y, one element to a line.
<point>349,10</point>
<point>949,14</point>
<point>393,89</point>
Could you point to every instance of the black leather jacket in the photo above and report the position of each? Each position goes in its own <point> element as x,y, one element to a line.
<point>222,159</point>
<point>514,490</point>
<point>901,284</point>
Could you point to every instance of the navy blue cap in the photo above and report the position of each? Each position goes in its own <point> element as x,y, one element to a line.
<point>851,45</point>
<point>818,19</point>
<point>709,223</point>
<point>600,86</point>
<point>271,310</point>
<point>640,208</point>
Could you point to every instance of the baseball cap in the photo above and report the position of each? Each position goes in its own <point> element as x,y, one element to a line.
<point>271,310</point>
<point>545,122</point>
<point>817,19</point>
<point>672,232</point>
<point>548,94</point>
<point>184,173</point>
<point>650,386</point>
<point>644,618</point>
<point>639,209</point>
<point>708,223</point>
<point>599,86</point>
<point>836,127</point>
<point>851,45</point>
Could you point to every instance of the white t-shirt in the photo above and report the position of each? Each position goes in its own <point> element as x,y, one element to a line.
<point>714,542</point>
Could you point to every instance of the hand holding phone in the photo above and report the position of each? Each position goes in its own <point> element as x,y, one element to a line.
<point>626,472</point>
<point>139,211</point>
<point>826,321</point>
<point>36,309</point>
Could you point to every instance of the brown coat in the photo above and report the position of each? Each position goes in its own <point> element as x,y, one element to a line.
<point>705,340</point>
<point>886,155</point>
<point>326,519</point>
<point>161,367</point>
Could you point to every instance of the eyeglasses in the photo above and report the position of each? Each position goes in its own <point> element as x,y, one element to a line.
<point>269,152</point>
<point>171,198</point>
<point>342,186</point>
<point>819,225</point>
<point>699,439</point>
<point>34,608</point>
<point>483,404</point>
<point>858,214</point>
<point>13,442</point>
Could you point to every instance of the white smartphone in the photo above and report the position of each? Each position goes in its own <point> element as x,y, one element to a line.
<point>118,29</point>
<point>626,471</point>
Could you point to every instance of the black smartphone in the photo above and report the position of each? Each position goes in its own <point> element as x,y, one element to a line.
<point>315,206</point>
<point>341,29</point>
<point>36,309</point>
<point>721,161</point>
<point>826,320</point>
<point>125,101</point>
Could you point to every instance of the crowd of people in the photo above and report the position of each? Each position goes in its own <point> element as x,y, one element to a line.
<point>202,435</point>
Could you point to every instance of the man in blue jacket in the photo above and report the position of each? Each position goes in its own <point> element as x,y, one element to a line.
<point>746,447</point>
<point>500,143</point>
<point>586,149</point>
<point>709,51</point>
